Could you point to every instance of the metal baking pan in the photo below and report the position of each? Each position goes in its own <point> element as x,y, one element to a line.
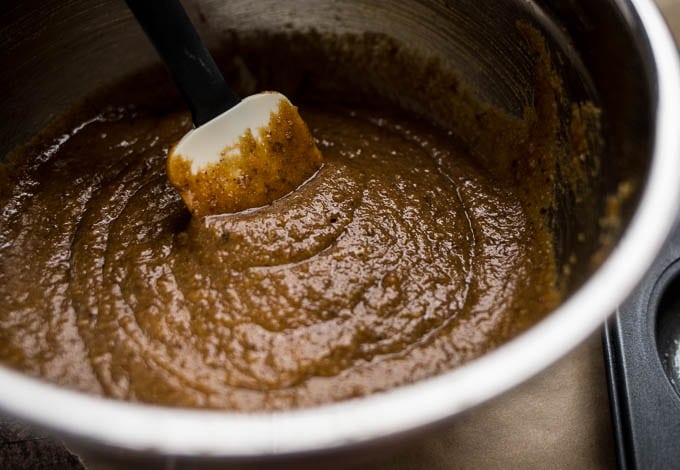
<point>642,355</point>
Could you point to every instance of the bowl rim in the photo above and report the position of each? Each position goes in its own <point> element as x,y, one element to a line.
<point>208,433</point>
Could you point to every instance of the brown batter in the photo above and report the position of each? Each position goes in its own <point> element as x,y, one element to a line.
<point>400,259</point>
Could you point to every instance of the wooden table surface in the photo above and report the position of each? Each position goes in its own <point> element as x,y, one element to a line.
<point>559,419</point>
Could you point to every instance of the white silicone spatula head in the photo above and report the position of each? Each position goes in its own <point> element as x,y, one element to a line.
<point>246,157</point>
<point>242,153</point>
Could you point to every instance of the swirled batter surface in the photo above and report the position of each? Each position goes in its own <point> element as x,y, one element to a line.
<point>408,253</point>
<point>398,260</point>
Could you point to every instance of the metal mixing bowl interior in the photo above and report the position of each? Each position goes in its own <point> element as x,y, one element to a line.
<point>617,54</point>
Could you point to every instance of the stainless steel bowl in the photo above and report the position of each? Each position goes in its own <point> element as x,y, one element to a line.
<point>616,52</point>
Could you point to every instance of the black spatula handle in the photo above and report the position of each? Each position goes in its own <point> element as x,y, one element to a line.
<point>191,65</point>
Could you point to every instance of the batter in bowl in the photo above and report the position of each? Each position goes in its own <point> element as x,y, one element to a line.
<point>401,258</point>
